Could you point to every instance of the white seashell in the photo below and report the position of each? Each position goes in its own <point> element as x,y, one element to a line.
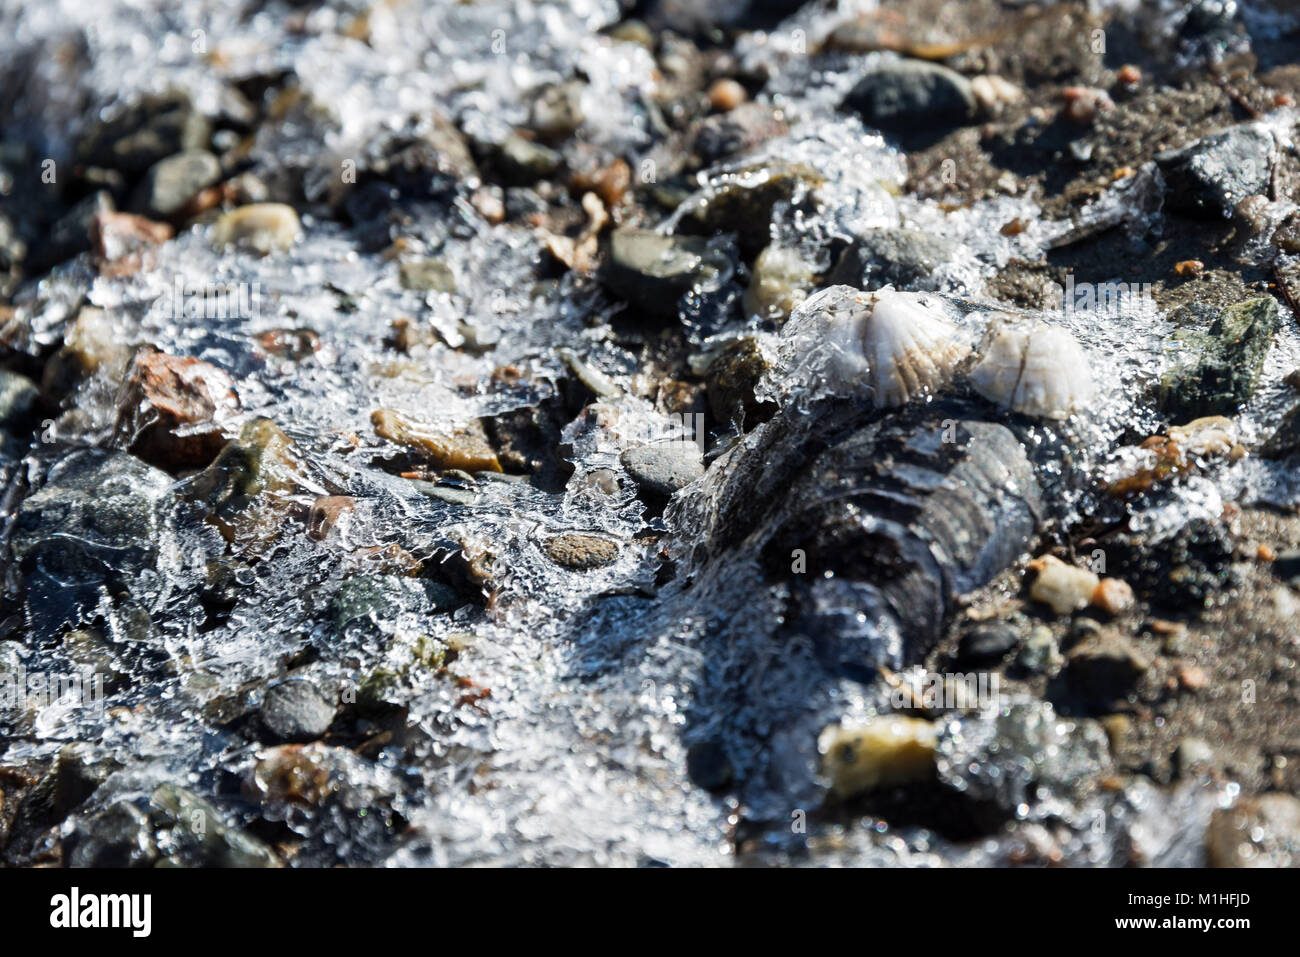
<point>1034,369</point>
<point>892,343</point>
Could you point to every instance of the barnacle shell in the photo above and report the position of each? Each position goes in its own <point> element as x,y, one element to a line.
<point>895,344</point>
<point>1034,369</point>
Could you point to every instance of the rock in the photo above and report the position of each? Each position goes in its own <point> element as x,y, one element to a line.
<point>1113,596</point>
<point>556,112</point>
<point>466,451</point>
<point>742,201</point>
<point>1210,177</point>
<point>1192,754</point>
<point>663,468</point>
<point>1285,439</point>
<point>743,128</point>
<point>246,487</point>
<point>886,751</point>
<point>175,828</point>
<point>1287,235</point>
<point>1105,667</point>
<point>18,398</point>
<point>907,94</point>
<point>261,228</point>
<point>781,279</point>
<point>427,275</point>
<point>172,411</point>
<point>94,523</point>
<point>986,643</point>
<point>732,377</point>
<point>522,162</point>
<point>123,242</point>
<point>384,598</point>
<point>1040,654</point>
<point>295,710</point>
<point>653,272</point>
<point>726,94</point>
<point>1065,588</point>
<point>76,774</point>
<point>92,346</point>
<point>145,133</point>
<point>708,766</point>
<point>171,183</point>
<point>905,258</point>
<point>581,552</point>
<point>329,516</point>
<point>1260,831</point>
<point>1224,362</point>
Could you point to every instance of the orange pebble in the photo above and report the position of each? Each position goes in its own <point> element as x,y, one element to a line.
<point>726,95</point>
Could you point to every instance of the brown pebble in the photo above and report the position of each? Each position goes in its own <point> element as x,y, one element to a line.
<point>1265,552</point>
<point>726,94</point>
<point>329,512</point>
<point>1112,595</point>
<point>1192,677</point>
<point>581,552</point>
<point>1189,268</point>
<point>171,409</point>
<point>122,241</point>
<point>1129,75</point>
<point>464,451</point>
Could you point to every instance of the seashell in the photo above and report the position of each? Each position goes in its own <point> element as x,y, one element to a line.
<point>895,344</point>
<point>1034,369</point>
<point>889,523</point>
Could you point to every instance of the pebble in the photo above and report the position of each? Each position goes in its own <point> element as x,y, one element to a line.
<point>1225,361</point>
<point>173,410</point>
<point>726,94</point>
<point>262,228</point>
<point>886,751</point>
<point>121,240</point>
<point>18,398</point>
<point>581,552</point>
<point>663,468</point>
<point>1211,176</point>
<point>427,275</point>
<point>1040,653</point>
<point>653,272</point>
<point>1260,831</point>
<point>523,162</point>
<point>1113,596</point>
<point>295,710</point>
<point>171,183</point>
<point>905,94</point>
<point>464,451</point>
<point>780,279</point>
<point>708,766</point>
<point>986,643</point>
<point>906,258</point>
<point>1066,588</point>
<point>1083,103</point>
<point>329,515</point>
<point>1191,755</point>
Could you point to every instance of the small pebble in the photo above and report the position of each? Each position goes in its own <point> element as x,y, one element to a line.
<point>1066,588</point>
<point>886,751</point>
<point>725,95</point>
<point>581,552</point>
<point>662,468</point>
<point>261,228</point>
<point>1112,595</point>
<point>295,710</point>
